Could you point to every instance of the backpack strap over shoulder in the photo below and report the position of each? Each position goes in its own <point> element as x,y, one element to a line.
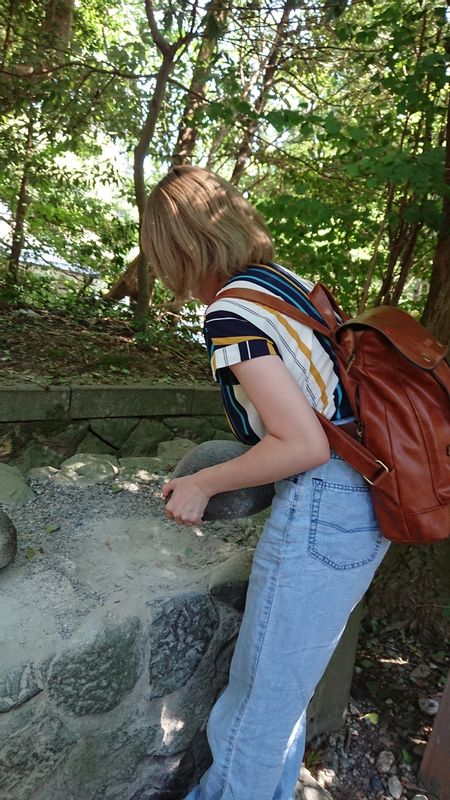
<point>277,304</point>
<point>326,305</point>
<point>349,448</point>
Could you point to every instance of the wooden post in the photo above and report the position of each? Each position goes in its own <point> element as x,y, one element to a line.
<point>434,773</point>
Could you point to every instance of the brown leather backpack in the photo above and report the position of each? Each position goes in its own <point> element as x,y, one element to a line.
<point>398,384</point>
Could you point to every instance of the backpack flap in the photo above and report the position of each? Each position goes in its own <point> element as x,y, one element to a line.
<point>403,332</point>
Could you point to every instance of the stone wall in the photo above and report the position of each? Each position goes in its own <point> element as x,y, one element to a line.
<point>43,427</point>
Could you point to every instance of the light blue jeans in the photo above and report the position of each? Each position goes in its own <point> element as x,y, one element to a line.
<point>315,559</point>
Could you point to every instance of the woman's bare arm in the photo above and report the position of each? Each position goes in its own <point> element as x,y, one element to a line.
<point>294,442</point>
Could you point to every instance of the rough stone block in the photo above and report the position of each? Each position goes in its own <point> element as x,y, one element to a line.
<point>35,454</point>
<point>95,675</point>
<point>140,400</point>
<point>13,437</point>
<point>92,444</point>
<point>30,756</point>
<point>65,439</point>
<point>145,438</point>
<point>113,431</point>
<point>172,451</point>
<point>219,422</point>
<point>207,400</point>
<point>114,753</point>
<point>13,489</point>
<point>19,686</point>
<point>180,632</point>
<point>30,402</point>
<point>196,428</point>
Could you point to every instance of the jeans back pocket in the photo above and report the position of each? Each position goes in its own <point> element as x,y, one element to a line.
<point>344,532</point>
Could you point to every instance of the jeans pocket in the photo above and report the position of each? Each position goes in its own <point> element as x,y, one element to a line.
<point>344,532</point>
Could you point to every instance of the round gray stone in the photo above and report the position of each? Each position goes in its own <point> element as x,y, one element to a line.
<point>8,540</point>
<point>225,505</point>
<point>92,467</point>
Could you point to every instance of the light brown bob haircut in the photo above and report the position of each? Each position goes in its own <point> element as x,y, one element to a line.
<point>196,224</point>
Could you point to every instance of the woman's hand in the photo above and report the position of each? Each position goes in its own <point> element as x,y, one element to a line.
<point>185,500</point>
<point>294,442</point>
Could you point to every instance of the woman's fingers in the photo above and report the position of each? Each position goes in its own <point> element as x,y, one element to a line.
<point>185,501</point>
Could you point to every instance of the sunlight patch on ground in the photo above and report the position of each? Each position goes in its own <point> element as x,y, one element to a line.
<point>170,725</point>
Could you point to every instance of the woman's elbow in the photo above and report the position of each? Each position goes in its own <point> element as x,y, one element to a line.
<point>323,453</point>
<point>316,450</point>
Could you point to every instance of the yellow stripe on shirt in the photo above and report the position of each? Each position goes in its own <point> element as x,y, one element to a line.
<point>304,349</point>
<point>237,339</point>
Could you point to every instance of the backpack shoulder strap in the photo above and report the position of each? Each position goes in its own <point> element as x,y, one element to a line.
<point>277,304</point>
<point>351,450</point>
<point>326,304</point>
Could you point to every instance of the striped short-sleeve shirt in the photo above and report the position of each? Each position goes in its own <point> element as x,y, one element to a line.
<point>237,330</point>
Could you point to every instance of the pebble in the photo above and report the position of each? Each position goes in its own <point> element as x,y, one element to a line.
<point>422,671</point>
<point>385,761</point>
<point>395,787</point>
<point>429,706</point>
<point>420,797</point>
<point>326,777</point>
<point>376,784</point>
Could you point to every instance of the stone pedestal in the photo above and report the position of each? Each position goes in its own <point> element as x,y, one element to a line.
<point>117,629</point>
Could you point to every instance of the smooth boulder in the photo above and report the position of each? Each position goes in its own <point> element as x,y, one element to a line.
<point>226,505</point>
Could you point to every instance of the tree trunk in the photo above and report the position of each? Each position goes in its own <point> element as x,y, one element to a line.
<point>436,315</point>
<point>214,23</point>
<point>406,262</point>
<point>252,124</point>
<point>143,299</point>
<point>23,203</point>
<point>168,52</point>
<point>57,26</point>
<point>8,34</point>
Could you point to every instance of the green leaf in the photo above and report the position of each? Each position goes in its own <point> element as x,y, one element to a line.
<point>372,717</point>
<point>116,487</point>
<point>353,170</point>
<point>30,553</point>
<point>52,527</point>
<point>332,125</point>
<point>407,757</point>
<point>357,133</point>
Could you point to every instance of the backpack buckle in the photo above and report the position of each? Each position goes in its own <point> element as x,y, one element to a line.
<point>380,475</point>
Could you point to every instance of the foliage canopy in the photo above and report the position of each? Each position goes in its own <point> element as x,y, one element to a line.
<point>331,116</point>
